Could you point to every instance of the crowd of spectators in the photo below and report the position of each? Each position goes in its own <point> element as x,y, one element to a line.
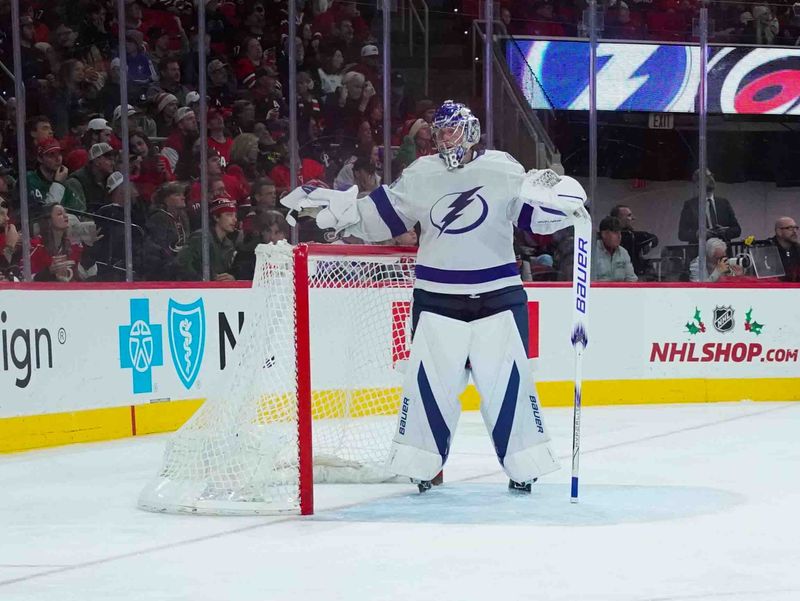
<point>75,188</point>
<point>71,70</point>
<point>663,20</point>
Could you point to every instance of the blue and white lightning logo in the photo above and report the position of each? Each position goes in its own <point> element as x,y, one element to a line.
<point>643,77</point>
<point>140,346</point>
<point>459,212</point>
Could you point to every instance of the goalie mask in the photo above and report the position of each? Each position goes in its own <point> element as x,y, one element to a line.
<point>455,131</point>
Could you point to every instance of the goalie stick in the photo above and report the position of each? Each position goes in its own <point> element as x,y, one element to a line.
<point>580,300</point>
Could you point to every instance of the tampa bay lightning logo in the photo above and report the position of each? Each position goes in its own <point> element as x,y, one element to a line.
<point>459,212</point>
<point>645,77</point>
<point>187,338</point>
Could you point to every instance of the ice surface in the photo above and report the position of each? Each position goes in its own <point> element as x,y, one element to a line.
<point>681,502</point>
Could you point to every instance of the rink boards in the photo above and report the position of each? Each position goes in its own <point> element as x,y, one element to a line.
<point>88,363</point>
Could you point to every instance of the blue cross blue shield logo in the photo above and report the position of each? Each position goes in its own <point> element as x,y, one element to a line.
<point>187,338</point>
<point>140,346</point>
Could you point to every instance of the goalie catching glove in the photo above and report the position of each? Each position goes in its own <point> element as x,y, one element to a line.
<point>555,197</point>
<point>336,209</point>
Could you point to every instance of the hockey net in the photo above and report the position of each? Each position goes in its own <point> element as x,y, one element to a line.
<point>325,330</point>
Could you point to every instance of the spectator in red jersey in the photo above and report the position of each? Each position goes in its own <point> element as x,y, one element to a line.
<point>217,138</point>
<point>54,257</point>
<point>263,197</point>
<point>78,125</point>
<point>149,169</point>
<point>309,170</point>
<point>237,189</point>
<point>252,59</point>
<point>308,106</point>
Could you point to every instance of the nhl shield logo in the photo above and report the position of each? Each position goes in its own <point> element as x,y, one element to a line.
<point>723,319</point>
<point>187,338</point>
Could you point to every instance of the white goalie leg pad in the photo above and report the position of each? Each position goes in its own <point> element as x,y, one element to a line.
<point>509,404</point>
<point>429,410</point>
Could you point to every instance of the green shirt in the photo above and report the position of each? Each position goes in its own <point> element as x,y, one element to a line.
<point>43,193</point>
<point>190,258</point>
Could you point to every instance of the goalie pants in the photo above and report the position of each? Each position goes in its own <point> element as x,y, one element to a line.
<point>487,334</point>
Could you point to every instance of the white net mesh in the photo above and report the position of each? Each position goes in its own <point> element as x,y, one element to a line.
<point>239,453</point>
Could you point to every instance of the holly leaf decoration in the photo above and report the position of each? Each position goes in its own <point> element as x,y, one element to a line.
<point>697,316</point>
<point>691,328</point>
<point>755,327</point>
<point>747,315</point>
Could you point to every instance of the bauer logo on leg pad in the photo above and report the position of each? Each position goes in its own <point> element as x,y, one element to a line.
<point>403,416</point>
<point>536,415</point>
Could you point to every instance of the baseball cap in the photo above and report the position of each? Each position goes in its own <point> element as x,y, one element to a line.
<point>99,124</point>
<point>222,204</point>
<point>99,149</point>
<point>118,111</point>
<point>182,113</point>
<point>114,181</point>
<point>369,50</point>
<point>192,97</point>
<point>216,65</point>
<point>48,145</point>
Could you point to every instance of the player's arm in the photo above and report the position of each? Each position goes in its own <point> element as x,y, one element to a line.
<point>373,218</point>
<point>546,202</point>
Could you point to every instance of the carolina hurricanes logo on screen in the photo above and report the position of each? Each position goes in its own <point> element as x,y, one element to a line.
<point>459,212</point>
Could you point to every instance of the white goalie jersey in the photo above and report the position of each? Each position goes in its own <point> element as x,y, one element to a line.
<point>466,217</point>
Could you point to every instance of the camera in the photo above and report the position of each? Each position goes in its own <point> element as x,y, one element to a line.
<point>742,261</point>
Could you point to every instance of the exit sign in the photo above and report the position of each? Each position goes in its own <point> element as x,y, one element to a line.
<point>661,120</point>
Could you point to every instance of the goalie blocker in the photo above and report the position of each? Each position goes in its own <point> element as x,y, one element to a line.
<point>487,334</point>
